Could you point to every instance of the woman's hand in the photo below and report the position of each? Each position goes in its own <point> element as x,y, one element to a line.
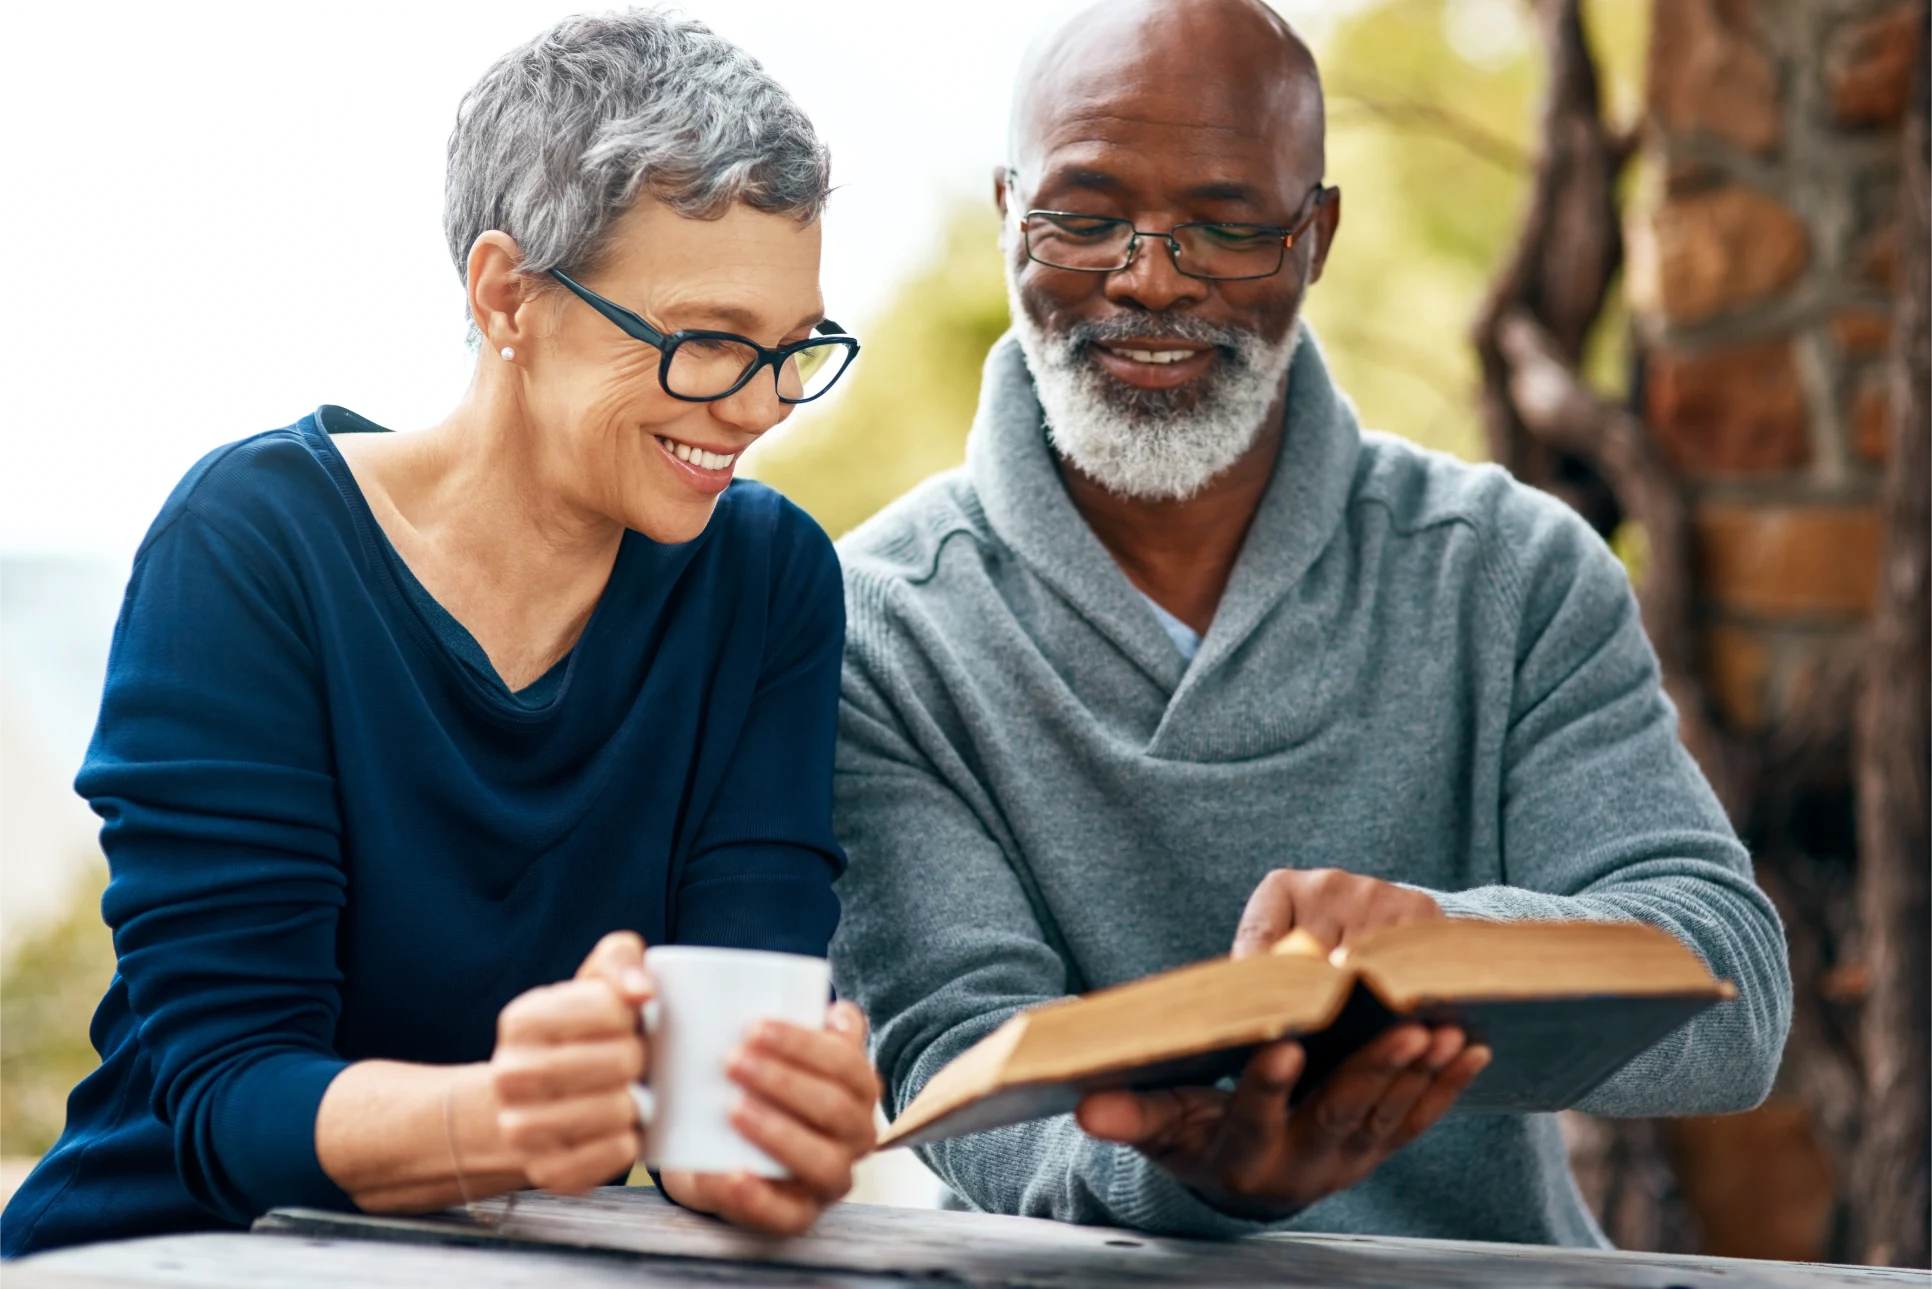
<point>809,1098</point>
<point>566,1057</point>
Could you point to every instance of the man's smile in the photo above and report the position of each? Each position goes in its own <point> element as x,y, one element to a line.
<point>1154,363</point>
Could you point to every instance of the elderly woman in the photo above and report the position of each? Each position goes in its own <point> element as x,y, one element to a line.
<point>401,730</point>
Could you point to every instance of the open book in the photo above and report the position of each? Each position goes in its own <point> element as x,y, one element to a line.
<point>1562,1006</point>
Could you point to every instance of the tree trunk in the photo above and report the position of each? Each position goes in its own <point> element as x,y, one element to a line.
<point>1567,256</point>
<point>1894,857</point>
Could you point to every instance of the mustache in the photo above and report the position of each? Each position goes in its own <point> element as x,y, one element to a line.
<point>1235,343</point>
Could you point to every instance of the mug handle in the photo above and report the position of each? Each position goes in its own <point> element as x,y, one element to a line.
<point>641,1095</point>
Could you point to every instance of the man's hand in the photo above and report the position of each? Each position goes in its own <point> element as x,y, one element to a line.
<point>1247,1152</point>
<point>1249,1155</point>
<point>1337,908</point>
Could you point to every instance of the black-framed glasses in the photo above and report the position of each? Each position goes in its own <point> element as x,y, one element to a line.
<point>1225,252</point>
<point>704,366</point>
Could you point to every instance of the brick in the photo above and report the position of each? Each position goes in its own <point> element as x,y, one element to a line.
<point>1762,1183</point>
<point>1686,175</point>
<point>1875,260</point>
<point>1788,561</point>
<point>1737,672</point>
<point>1713,253</point>
<point>1868,68</point>
<point>1730,412</point>
<point>1861,333</point>
<point>1707,74</point>
<point>1871,418</point>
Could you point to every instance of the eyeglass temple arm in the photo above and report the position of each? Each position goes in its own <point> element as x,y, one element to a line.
<point>1321,198</point>
<point>625,318</point>
<point>617,313</point>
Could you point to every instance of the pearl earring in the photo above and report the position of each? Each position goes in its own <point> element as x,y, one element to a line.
<point>509,354</point>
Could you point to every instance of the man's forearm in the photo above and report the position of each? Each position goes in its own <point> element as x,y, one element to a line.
<point>1725,1059</point>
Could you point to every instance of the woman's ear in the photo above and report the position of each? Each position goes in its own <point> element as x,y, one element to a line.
<point>497,291</point>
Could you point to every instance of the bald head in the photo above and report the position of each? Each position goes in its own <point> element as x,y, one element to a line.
<point>1202,66</point>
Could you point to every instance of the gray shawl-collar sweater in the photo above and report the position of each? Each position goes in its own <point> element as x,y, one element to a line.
<point>1421,670</point>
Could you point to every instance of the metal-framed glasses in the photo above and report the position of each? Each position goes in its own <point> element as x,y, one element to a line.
<point>1227,252</point>
<point>704,366</point>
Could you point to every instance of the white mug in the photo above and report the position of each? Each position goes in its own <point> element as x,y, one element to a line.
<point>707,1001</point>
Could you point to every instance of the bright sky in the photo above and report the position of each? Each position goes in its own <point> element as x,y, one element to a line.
<point>220,216</point>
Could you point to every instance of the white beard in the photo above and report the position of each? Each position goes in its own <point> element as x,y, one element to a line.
<point>1152,445</point>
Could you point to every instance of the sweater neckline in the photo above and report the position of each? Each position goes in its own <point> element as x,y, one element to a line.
<point>435,627</point>
<point>1017,479</point>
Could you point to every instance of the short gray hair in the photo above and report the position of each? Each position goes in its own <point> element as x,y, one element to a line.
<point>562,135</point>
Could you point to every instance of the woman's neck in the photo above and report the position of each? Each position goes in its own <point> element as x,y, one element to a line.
<point>486,524</point>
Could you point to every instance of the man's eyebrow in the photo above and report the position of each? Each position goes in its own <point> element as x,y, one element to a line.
<point>1091,180</point>
<point>1227,190</point>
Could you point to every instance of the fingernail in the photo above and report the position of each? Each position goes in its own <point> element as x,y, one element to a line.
<point>646,1102</point>
<point>1483,1055</point>
<point>635,981</point>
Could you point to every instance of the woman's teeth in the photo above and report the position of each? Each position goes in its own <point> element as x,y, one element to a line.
<point>1156,355</point>
<point>697,456</point>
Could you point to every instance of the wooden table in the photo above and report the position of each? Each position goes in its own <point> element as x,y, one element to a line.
<point>631,1237</point>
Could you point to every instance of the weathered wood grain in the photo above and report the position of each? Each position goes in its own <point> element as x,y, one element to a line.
<point>21,1276</point>
<point>633,1238</point>
<point>236,1261</point>
<point>983,1249</point>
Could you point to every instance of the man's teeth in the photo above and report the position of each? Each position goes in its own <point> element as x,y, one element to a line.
<point>1156,355</point>
<point>697,456</point>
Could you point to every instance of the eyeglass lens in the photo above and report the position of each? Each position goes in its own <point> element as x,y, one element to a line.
<point>1106,245</point>
<point>706,367</point>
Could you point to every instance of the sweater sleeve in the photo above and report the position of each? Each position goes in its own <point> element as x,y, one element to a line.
<point>920,851</point>
<point>211,772</point>
<point>761,868</point>
<point>1605,815</point>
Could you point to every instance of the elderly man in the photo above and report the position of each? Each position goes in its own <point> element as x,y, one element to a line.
<point>1183,658</point>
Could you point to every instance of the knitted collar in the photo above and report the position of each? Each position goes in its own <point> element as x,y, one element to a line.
<point>1014,472</point>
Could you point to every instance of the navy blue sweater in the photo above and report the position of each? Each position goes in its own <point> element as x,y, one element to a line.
<point>333,836</point>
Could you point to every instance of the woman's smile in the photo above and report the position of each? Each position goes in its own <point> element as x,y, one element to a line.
<point>702,468</point>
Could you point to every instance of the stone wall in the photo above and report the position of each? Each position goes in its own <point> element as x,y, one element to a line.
<point>1762,275</point>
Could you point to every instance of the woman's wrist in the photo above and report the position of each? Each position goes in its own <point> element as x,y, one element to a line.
<point>485,1162</point>
<point>385,1131</point>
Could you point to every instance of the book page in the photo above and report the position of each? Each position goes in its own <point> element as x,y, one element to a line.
<point>1203,1008</point>
<point>1413,964</point>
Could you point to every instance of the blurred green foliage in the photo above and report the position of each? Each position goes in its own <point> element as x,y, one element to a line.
<point>912,392</point>
<point>50,985</point>
<point>1432,109</point>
